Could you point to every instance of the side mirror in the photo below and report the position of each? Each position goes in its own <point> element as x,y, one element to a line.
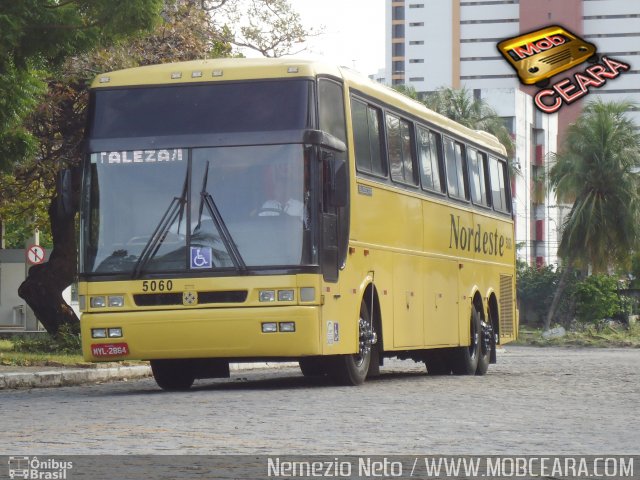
<point>338,181</point>
<point>64,191</point>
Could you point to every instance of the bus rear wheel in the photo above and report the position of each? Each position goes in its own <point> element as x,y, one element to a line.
<point>464,360</point>
<point>173,375</point>
<point>353,369</point>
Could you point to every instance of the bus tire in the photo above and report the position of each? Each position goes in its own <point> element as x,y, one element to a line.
<point>352,369</point>
<point>486,346</point>
<point>313,366</point>
<point>173,375</point>
<point>464,360</point>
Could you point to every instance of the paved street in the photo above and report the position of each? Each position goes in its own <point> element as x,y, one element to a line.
<point>534,401</point>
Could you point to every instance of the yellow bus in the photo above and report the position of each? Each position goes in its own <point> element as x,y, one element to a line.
<point>241,210</point>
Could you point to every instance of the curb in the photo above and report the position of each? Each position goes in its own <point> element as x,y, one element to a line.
<point>64,378</point>
<point>84,376</point>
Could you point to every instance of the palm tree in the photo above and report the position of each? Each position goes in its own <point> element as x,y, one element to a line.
<point>462,107</point>
<point>595,171</point>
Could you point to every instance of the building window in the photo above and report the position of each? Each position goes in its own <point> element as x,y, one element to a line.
<point>398,31</point>
<point>398,67</point>
<point>416,5</point>
<point>416,24</point>
<point>398,13</point>
<point>416,79</point>
<point>416,60</point>
<point>398,49</point>
<point>416,42</point>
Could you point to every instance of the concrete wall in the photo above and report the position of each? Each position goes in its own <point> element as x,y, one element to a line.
<point>14,313</point>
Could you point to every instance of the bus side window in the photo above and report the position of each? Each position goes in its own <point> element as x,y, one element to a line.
<point>456,180</point>
<point>498,174</point>
<point>367,138</point>
<point>331,109</point>
<point>399,144</point>
<point>429,154</point>
<point>476,162</point>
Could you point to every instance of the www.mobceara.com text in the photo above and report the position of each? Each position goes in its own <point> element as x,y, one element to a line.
<point>458,466</point>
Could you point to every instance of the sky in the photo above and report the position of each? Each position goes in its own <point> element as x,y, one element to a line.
<point>353,32</point>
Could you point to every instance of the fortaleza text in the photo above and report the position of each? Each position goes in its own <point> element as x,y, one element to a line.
<point>141,156</point>
<point>470,238</point>
<point>566,91</point>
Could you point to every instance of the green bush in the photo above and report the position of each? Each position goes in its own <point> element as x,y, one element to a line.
<point>536,287</point>
<point>597,298</point>
<point>67,341</point>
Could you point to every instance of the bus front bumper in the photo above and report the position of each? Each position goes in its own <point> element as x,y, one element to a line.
<point>202,333</point>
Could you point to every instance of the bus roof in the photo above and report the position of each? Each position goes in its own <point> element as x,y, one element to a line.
<point>226,69</point>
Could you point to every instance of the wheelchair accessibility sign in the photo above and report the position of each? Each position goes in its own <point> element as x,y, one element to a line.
<point>201,257</point>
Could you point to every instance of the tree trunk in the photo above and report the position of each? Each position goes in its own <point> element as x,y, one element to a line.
<point>43,287</point>
<point>562,284</point>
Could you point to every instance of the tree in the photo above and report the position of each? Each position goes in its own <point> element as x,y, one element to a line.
<point>56,128</point>
<point>463,107</point>
<point>595,171</point>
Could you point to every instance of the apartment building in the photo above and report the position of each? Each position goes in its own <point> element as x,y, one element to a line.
<point>453,43</point>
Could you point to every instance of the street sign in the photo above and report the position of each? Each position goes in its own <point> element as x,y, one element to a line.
<point>35,254</point>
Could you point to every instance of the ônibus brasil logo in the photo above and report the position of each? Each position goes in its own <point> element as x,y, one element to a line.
<point>40,469</point>
<point>540,55</point>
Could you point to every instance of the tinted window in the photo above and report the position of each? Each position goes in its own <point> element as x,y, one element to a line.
<point>498,172</point>
<point>455,171</point>
<point>367,138</point>
<point>199,109</point>
<point>477,181</point>
<point>399,144</point>
<point>331,109</point>
<point>429,155</point>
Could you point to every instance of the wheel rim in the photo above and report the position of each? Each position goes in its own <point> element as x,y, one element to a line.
<point>475,335</point>
<point>366,338</point>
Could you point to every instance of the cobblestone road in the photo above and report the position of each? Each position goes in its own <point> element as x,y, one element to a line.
<point>534,401</point>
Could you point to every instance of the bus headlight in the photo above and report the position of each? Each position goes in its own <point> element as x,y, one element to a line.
<point>267,295</point>
<point>115,332</point>
<point>286,295</point>
<point>97,302</point>
<point>287,326</point>
<point>116,300</point>
<point>269,327</point>
<point>98,333</point>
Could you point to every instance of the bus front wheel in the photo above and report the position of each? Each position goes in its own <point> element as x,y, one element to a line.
<point>173,375</point>
<point>353,369</point>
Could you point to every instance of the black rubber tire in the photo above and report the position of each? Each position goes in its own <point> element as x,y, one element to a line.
<point>484,354</point>
<point>352,369</point>
<point>172,375</point>
<point>464,360</point>
<point>313,366</point>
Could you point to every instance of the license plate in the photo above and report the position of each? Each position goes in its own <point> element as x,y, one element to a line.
<point>109,349</point>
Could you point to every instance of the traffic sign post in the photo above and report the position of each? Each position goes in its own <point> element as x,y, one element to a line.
<point>35,254</point>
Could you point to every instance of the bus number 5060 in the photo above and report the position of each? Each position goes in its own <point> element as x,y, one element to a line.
<point>157,285</point>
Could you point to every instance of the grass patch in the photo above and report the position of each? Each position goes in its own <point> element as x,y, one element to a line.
<point>42,350</point>
<point>601,336</point>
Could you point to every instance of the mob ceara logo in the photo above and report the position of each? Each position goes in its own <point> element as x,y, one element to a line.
<point>542,54</point>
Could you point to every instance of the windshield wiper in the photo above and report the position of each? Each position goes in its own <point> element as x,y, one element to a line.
<point>206,200</point>
<point>173,211</point>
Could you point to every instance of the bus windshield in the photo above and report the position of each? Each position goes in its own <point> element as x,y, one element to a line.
<point>157,210</point>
